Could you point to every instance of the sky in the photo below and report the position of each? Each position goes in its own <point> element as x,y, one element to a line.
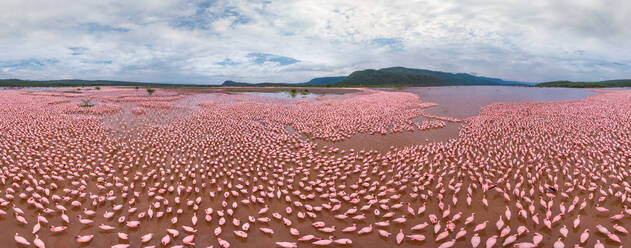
<point>189,41</point>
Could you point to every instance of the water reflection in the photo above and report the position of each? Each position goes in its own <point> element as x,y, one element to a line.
<point>285,94</point>
<point>466,101</point>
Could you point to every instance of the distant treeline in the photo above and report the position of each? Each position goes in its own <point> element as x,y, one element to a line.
<point>599,84</point>
<point>393,77</point>
<point>418,77</point>
<point>386,77</point>
<point>84,83</point>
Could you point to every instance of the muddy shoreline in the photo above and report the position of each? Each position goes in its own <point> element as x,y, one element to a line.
<point>180,153</point>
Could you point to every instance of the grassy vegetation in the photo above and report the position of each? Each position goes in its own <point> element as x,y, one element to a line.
<point>295,92</point>
<point>86,104</point>
<point>599,84</point>
<point>150,91</point>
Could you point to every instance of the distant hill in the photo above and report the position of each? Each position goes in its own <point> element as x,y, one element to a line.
<point>233,83</point>
<point>393,76</point>
<point>321,81</point>
<point>324,80</point>
<point>242,84</point>
<point>599,84</point>
<point>417,77</point>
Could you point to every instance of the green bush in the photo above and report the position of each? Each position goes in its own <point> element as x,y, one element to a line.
<point>86,104</point>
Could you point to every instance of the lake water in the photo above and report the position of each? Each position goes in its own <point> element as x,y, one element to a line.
<point>466,101</point>
<point>459,102</point>
<point>284,95</point>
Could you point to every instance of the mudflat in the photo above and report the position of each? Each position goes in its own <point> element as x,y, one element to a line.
<point>343,167</point>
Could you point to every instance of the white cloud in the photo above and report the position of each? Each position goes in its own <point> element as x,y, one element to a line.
<point>190,41</point>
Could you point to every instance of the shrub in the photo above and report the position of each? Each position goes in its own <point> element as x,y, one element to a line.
<point>86,104</point>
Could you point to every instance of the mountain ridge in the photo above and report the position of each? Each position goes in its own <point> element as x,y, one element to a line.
<point>419,77</point>
<point>393,76</point>
<point>390,76</point>
<point>596,84</point>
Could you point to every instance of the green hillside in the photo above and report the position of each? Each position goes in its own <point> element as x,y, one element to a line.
<point>417,77</point>
<point>599,84</point>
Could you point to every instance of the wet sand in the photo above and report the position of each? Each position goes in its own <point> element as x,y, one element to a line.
<point>180,138</point>
<point>457,102</point>
<point>385,142</point>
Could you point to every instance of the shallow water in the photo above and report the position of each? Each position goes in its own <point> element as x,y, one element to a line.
<point>454,101</point>
<point>466,101</point>
<point>284,95</point>
<point>386,142</point>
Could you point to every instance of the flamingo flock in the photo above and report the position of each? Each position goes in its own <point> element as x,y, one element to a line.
<point>234,170</point>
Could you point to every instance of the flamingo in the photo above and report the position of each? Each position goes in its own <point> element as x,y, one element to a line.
<point>323,242</point>
<point>84,238</point>
<point>38,242</point>
<point>21,240</point>
<point>475,240</point>
<point>233,152</point>
<point>284,244</point>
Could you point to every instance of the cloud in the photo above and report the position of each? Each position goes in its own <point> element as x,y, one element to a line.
<point>100,28</point>
<point>78,50</point>
<point>27,64</point>
<point>260,58</point>
<point>292,41</point>
<point>228,62</point>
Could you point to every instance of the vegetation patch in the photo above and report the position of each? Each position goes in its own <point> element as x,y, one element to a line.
<point>295,92</point>
<point>72,91</point>
<point>86,104</point>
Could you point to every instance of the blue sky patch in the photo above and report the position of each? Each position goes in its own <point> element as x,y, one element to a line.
<point>28,63</point>
<point>204,16</point>
<point>260,58</point>
<point>387,42</point>
<point>228,62</point>
<point>77,50</point>
<point>93,27</point>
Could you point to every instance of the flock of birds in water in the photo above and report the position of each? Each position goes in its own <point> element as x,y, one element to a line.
<point>235,170</point>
